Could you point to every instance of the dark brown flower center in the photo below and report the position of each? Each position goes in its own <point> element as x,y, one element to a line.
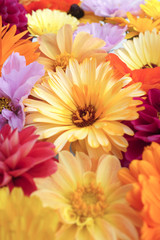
<point>4,103</point>
<point>151,65</point>
<point>84,116</point>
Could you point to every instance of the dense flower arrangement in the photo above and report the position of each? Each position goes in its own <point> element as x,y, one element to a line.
<point>79,120</point>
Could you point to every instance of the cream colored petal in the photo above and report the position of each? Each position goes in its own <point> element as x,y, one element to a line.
<point>48,45</point>
<point>64,39</point>
<point>92,140</point>
<point>84,42</point>
<point>107,172</point>
<point>51,199</point>
<point>84,161</point>
<point>123,227</point>
<point>102,230</point>
<point>72,166</point>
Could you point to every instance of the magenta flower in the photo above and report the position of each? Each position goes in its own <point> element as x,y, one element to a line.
<point>146,127</point>
<point>112,8</point>
<point>16,83</point>
<point>23,158</point>
<point>13,12</point>
<point>111,34</point>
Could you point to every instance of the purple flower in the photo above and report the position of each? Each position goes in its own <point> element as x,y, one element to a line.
<point>111,8</point>
<point>15,84</point>
<point>111,34</point>
<point>13,12</point>
<point>146,127</point>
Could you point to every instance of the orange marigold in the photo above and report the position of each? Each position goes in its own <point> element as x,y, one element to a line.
<point>145,177</point>
<point>10,42</point>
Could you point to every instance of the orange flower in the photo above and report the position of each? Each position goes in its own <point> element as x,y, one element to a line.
<point>62,5</point>
<point>141,59</point>
<point>135,25</point>
<point>9,42</point>
<point>145,177</point>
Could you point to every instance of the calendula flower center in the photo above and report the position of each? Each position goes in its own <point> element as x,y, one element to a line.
<point>62,61</point>
<point>83,117</point>
<point>149,65</point>
<point>4,103</point>
<point>89,201</point>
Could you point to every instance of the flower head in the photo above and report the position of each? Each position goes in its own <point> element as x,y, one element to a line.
<point>146,127</point>
<point>151,8</point>
<point>111,34</point>
<point>68,109</point>
<point>49,21</point>
<point>141,58</point>
<point>145,178</point>
<point>13,12</point>
<point>16,82</point>
<point>111,8</point>
<point>135,25</point>
<point>10,42</point>
<point>23,158</point>
<point>91,204</point>
<point>57,49</point>
<point>24,217</point>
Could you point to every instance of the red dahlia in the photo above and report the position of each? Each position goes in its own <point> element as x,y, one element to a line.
<point>13,13</point>
<point>23,158</point>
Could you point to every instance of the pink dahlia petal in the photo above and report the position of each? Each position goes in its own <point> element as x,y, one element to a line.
<point>23,157</point>
<point>25,182</point>
<point>41,170</point>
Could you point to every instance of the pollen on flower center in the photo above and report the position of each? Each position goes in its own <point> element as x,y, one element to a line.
<point>89,201</point>
<point>62,61</point>
<point>150,65</point>
<point>4,103</point>
<point>83,117</point>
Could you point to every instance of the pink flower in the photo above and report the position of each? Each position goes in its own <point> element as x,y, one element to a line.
<point>23,158</point>
<point>16,81</point>
<point>111,8</point>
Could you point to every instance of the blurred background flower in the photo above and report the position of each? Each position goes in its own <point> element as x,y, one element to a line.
<point>25,218</point>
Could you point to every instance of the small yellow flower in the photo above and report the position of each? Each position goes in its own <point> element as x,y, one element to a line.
<point>91,204</point>
<point>49,21</point>
<point>24,218</point>
<point>151,8</point>
<point>136,25</point>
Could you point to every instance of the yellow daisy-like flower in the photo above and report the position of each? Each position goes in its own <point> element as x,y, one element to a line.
<point>91,204</point>
<point>151,8</point>
<point>142,52</point>
<point>136,25</point>
<point>49,21</point>
<point>87,103</point>
<point>57,49</point>
<point>23,217</point>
